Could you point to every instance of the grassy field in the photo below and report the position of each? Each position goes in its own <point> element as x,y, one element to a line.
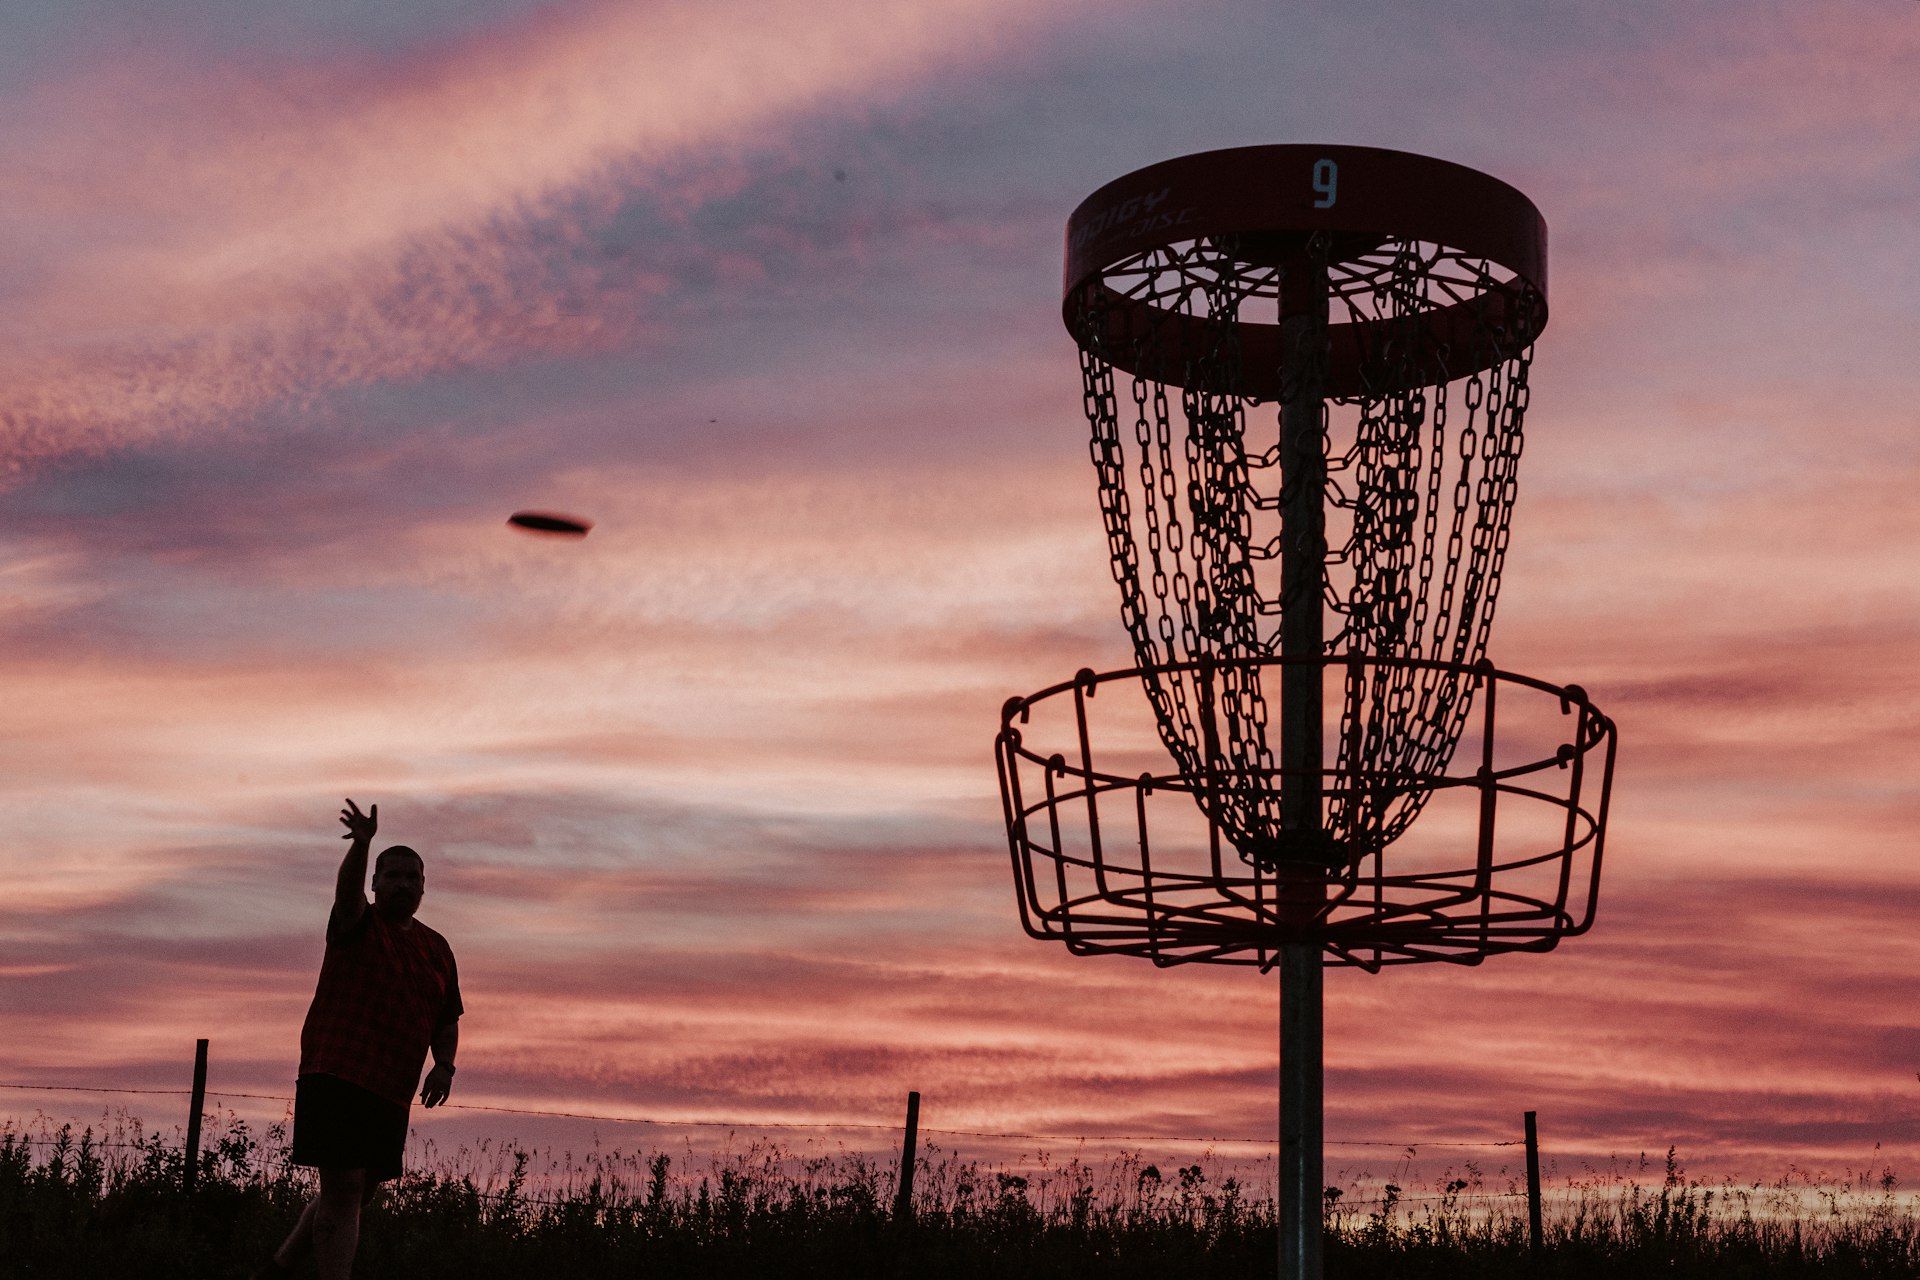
<point>81,1205</point>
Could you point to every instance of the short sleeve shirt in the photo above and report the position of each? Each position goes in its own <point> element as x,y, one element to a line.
<point>384,989</point>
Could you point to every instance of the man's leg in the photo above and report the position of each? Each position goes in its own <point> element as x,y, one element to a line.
<point>336,1221</point>
<point>300,1239</point>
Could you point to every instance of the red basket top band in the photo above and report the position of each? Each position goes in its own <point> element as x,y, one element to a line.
<point>1361,191</point>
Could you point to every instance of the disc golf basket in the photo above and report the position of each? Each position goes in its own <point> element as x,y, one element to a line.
<point>1305,369</point>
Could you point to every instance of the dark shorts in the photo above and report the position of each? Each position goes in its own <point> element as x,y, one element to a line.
<point>337,1125</point>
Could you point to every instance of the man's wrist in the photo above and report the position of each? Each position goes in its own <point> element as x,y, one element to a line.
<point>443,1066</point>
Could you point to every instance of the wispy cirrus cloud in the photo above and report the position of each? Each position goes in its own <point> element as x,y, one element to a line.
<point>194,242</point>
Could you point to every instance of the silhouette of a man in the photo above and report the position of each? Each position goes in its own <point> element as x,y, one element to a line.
<point>388,994</point>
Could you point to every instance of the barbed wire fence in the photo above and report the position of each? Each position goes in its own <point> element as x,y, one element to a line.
<point>1363,1200</point>
<point>1186,1139</point>
<point>1387,1194</point>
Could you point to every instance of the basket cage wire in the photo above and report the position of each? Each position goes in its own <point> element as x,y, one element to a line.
<point>1115,852</point>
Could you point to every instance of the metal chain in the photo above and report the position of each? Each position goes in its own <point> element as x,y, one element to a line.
<point>1427,493</point>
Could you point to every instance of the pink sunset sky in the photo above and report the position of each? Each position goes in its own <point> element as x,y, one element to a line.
<point>298,301</point>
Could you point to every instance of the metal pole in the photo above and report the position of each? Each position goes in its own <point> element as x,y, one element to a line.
<point>903,1202</point>
<point>1534,1241</point>
<point>1301,1101</point>
<point>192,1170</point>
<point>1303,464</point>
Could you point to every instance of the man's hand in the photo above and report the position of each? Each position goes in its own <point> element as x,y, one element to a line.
<point>360,826</point>
<point>439,1084</point>
<point>350,886</point>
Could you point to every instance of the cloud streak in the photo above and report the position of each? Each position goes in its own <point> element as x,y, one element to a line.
<point>197,243</point>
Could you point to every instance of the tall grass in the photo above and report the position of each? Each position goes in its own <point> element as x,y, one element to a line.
<point>109,1204</point>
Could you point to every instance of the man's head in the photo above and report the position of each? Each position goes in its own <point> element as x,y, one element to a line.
<point>399,878</point>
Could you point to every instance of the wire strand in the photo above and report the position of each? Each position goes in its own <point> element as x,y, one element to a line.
<point>791,1124</point>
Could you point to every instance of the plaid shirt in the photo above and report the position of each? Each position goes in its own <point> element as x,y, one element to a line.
<point>383,992</point>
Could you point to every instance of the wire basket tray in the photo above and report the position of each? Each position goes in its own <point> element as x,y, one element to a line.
<point>1110,860</point>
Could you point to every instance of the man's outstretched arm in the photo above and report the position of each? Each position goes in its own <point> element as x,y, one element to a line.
<point>350,888</point>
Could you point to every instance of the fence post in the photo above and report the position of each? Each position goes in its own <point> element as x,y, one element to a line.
<point>903,1202</point>
<point>1534,1241</point>
<point>193,1116</point>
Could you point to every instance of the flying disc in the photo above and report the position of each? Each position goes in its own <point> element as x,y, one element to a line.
<point>550,522</point>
